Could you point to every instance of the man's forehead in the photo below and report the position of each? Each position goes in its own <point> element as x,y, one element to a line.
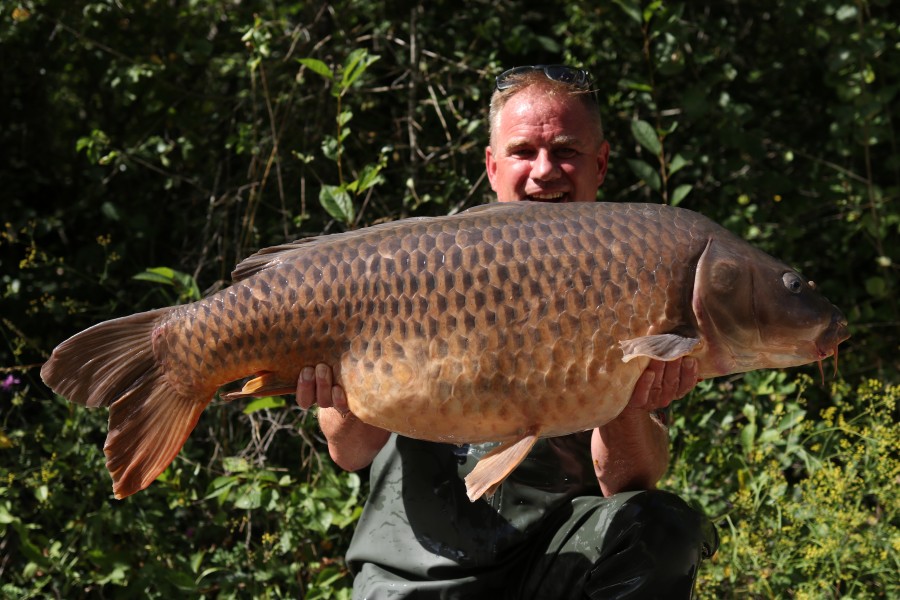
<point>529,110</point>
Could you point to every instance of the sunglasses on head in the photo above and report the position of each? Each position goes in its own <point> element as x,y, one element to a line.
<point>577,78</point>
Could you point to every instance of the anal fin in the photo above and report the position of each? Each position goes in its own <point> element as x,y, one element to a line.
<point>266,384</point>
<point>495,466</point>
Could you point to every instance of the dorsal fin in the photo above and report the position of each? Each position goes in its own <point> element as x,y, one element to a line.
<point>276,255</point>
<point>266,257</point>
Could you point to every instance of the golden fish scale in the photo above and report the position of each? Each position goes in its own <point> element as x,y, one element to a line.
<point>490,322</point>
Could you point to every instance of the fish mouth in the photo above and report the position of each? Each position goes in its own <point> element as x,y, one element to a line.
<point>827,343</point>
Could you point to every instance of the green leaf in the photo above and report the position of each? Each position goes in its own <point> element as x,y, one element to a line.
<point>6,517</point>
<point>846,12</point>
<point>109,210</point>
<point>337,202</point>
<point>748,435</point>
<point>317,66</point>
<point>769,436</point>
<point>263,403</point>
<point>330,147</point>
<point>370,177</point>
<point>184,284</point>
<point>235,464</point>
<point>249,496</point>
<point>638,86</point>
<point>646,173</point>
<point>181,580</point>
<point>549,44</point>
<point>163,275</point>
<point>651,10</point>
<point>197,560</point>
<point>792,419</point>
<point>344,117</point>
<point>676,164</point>
<point>646,136</point>
<point>679,194</point>
<point>356,64</point>
<point>221,485</point>
<point>631,8</point>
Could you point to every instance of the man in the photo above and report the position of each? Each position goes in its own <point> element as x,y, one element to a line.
<point>580,517</point>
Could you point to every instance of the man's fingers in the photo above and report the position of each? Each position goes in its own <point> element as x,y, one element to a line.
<point>306,388</point>
<point>641,394</point>
<point>679,378</point>
<point>669,384</point>
<point>340,400</point>
<point>316,386</point>
<point>324,383</point>
<point>689,377</point>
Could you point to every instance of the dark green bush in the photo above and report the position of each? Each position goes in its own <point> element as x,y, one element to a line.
<point>148,147</point>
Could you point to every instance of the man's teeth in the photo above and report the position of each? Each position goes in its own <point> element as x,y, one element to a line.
<point>545,197</point>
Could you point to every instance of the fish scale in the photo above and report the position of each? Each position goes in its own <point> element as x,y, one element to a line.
<point>504,323</point>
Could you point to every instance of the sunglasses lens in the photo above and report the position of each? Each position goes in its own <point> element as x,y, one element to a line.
<point>576,77</point>
<point>506,78</point>
<point>564,74</point>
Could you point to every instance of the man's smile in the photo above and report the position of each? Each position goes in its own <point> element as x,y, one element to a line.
<point>549,197</point>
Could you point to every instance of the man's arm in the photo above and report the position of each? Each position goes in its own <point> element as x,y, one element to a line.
<point>631,452</point>
<point>352,444</point>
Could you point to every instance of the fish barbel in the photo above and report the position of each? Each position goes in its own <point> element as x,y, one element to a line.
<point>505,323</point>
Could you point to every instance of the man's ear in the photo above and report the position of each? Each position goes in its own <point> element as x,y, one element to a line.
<point>602,162</point>
<point>490,165</point>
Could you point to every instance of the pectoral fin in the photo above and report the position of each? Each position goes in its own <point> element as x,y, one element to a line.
<point>495,466</point>
<point>666,346</point>
<point>267,384</point>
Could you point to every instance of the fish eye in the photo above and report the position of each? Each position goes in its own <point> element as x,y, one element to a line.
<point>792,282</point>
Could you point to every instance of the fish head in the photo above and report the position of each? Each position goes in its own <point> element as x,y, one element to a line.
<point>755,312</point>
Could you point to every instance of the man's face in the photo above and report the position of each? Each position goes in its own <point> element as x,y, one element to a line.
<point>545,149</point>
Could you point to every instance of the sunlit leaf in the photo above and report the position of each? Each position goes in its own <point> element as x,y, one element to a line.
<point>317,66</point>
<point>163,275</point>
<point>337,202</point>
<point>264,403</point>
<point>235,464</point>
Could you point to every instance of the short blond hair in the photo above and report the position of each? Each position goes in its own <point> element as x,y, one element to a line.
<point>536,79</point>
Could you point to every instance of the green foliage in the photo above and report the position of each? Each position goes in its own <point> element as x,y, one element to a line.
<point>805,500</point>
<point>184,285</point>
<point>189,135</point>
<point>336,199</point>
<point>260,523</point>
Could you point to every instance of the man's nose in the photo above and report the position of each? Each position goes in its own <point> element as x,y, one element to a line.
<point>543,167</point>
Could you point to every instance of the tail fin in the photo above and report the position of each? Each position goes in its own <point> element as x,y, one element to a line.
<point>113,364</point>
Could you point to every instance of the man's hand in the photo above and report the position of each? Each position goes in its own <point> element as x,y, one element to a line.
<point>352,444</point>
<point>662,382</point>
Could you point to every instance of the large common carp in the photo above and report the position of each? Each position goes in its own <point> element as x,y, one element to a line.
<point>504,323</point>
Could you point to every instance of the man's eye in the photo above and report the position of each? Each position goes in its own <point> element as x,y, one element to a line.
<point>522,153</point>
<point>565,152</point>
